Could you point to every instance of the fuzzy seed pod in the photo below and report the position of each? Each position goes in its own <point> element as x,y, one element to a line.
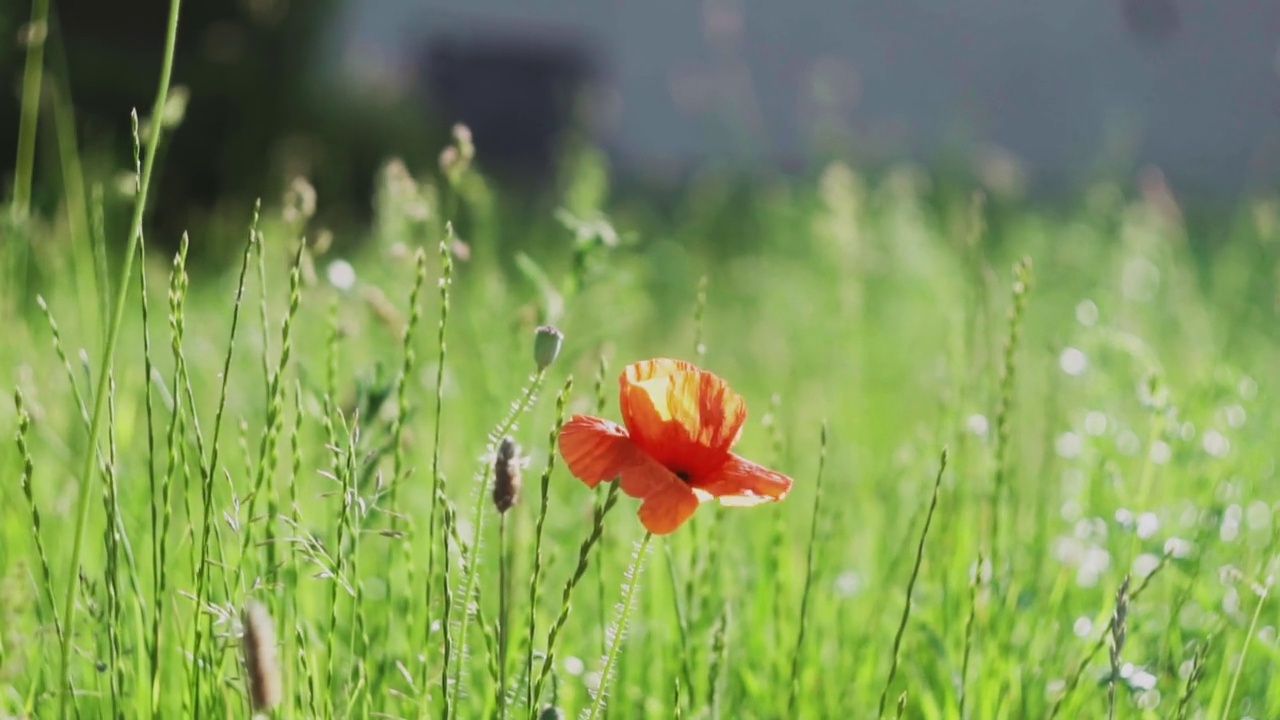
<point>260,661</point>
<point>506,475</point>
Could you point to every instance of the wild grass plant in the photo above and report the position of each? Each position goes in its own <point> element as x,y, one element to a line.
<point>211,511</point>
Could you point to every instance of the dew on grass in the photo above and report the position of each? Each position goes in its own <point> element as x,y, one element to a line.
<point>1160,452</point>
<point>977,424</point>
<point>1087,313</point>
<point>1145,564</point>
<point>1231,601</point>
<point>1083,627</point>
<point>1124,517</point>
<point>341,274</point>
<point>1267,635</point>
<point>1216,444</point>
<point>1137,678</point>
<point>1229,530</point>
<point>1148,523</point>
<point>1069,445</point>
<point>1093,564</point>
<point>1148,699</point>
<point>1073,361</point>
<point>1128,443</point>
<point>1187,431</point>
<point>848,583</point>
<point>1179,548</point>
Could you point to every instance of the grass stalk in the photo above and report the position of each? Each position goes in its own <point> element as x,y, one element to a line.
<point>969,634</point>
<point>619,628</point>
<point>1073,680</point>
<point>29,112</point>
<point>108,357</point>
<point>471,552</point>
<point>437,477</point>
<point>1119,630</point>
<point>1244,650</point>
<point>911,586</point>
<point>599,514</point>
<point>532,691</point>
<point>794,685</point>
<point>1004,430</point>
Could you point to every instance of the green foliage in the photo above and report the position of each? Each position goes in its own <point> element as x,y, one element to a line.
<point>1117,419</point>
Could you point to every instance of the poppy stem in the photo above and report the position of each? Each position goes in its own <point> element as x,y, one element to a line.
<point>619,630</point>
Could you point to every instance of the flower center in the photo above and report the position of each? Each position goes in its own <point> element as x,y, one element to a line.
<point>684,476</point>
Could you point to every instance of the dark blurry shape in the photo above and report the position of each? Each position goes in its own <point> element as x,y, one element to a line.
<point>245,63</point>
<point>517,95</point>
<point>1153,21</point>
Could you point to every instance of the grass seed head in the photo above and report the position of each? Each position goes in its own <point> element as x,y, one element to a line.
<point>506,475</point>
<point>259,643</point>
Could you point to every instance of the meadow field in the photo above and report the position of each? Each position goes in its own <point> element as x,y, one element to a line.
<point>1034,454</point>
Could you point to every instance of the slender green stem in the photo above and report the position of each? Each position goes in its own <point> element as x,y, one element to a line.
<point>1004,427</point>
<point>615,645</point>
<point>471,553</point>
<point>794,685</point>
<point>32,77</point>
<point>911,585</point>
<point>533,690</point>
<point>584,555</point>
<point>437,477</point>
<point>1244,651</point>
<point>504,613</point>
<point>108,356</point>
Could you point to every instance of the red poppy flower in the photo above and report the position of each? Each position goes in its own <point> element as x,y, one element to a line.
<point>674,451</point>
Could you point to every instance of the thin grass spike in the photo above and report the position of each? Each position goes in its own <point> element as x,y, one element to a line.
<point>911,585</point>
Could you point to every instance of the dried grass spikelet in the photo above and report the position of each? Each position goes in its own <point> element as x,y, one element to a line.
<point>383,309</point>
<point>506,475</point>
<point>260,660</point>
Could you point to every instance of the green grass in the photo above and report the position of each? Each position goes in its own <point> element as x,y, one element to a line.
<point>1101,380</point>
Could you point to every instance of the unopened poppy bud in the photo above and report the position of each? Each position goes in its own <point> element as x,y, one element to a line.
<point>546,346</point>
<point>506,475</point>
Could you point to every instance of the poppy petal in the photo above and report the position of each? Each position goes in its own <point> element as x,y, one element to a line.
<point>596,449</point>
<point>668,506</point>
<point>684,417</point>
<point>742,482</point>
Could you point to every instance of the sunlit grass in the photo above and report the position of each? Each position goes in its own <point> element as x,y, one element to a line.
<point>1102,540</point>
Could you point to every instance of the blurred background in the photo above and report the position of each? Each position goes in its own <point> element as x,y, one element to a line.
<point>1031,100</point>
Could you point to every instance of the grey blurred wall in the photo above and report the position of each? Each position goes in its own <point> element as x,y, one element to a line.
<point>1072,88</point>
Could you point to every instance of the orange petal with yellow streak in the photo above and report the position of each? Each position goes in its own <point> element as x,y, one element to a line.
<point>742,482</point>
<point>686,418</point>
